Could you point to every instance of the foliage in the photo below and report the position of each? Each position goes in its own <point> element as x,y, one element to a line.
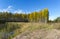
<point>42,15</point>
<point>57,19</point>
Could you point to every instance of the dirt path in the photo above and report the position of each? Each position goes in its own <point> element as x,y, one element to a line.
<point>40,34</point>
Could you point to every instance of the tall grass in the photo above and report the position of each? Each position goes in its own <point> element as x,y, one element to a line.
<point>11,29</point>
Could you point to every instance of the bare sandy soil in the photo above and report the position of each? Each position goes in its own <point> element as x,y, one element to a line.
<point>41,33</point>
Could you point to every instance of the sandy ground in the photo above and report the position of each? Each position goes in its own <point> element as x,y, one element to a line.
<point>40,34</point>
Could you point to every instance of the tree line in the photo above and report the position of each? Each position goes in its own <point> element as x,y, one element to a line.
<point>41,16</point>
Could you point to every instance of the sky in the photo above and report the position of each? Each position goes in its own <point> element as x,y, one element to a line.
<point>22,6</point>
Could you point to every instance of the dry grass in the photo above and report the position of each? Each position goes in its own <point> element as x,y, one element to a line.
<point>29,27</point>
<point>40,31</point>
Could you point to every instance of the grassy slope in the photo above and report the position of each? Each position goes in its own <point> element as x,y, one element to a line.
<point>41,31</point>
<point>18,28</point>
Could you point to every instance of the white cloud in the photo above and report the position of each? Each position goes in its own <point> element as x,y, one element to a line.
<point>18,11</point>
<point>7,9</point>
<point>10,8</point>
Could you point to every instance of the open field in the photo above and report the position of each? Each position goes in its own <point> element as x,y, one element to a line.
<point>13,29</point>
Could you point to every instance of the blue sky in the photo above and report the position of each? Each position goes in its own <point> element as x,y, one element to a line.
<point>31,6</point>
